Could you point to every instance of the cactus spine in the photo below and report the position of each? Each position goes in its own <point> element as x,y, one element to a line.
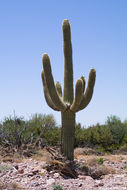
<point>66,102</point>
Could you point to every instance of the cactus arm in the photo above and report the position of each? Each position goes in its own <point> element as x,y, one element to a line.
<point>50,84</point>
<point>78,95</point>
<point>68,69</point>
<point>84,83</point>
<point>46,93</point>
<point>89,90</point>
<point>59,89</point>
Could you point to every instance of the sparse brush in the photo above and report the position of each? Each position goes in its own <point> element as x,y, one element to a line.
<point>4,168</point>
<point>57,187</point>
<point>100,160</point>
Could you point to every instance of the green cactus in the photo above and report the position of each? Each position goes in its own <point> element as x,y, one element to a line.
<point>67,103</point>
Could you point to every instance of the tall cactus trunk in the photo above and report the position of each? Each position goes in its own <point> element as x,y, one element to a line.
<point>67,137</point>
<point>68,117</point>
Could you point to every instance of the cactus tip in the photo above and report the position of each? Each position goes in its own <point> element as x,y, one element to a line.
<point>45,58</point>
<point>93,70</point>
<point>66,24</point>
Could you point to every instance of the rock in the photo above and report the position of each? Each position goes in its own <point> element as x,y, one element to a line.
<point>56,175</point>
<point>35,172</point>
<point>30,174</point>
<point>35,184</point>
<point>80,185</point>
<point>16,166</point>
<point>99,184</point>
<point>43,171</point>
<point>21,171</point>
<point>50,181</point>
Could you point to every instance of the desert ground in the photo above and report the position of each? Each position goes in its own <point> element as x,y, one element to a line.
<point>45,169</point>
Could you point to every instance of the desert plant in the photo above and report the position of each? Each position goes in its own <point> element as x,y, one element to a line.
<point>101,135</point>
<point>4,168</point>
<point>117,129</point>
<point>38,129</point>
<point>11,131</point>
<point>66,103</point>
<point>100,160</point>
<point>79,136</point>
<point>57,187</point>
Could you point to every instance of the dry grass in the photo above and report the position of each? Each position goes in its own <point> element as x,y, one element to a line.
<point>115,158</point>
<point>99,171</point>
<point>42,155</point>
<point>84,151</point>
<point>12,158</point>
<point>79,154</point>
<point>110,158</point>
<point>78,151</point>
<point>92,161</point>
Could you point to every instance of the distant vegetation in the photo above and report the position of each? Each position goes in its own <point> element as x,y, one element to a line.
<point>42,130</point>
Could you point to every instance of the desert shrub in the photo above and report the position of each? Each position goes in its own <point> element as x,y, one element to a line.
<point>57,187</point>
<point>100,160</point>
<point>117,129</point>
<point>98,135</point>
<point>52,136</point>
<point>79,135</point>
<point>39,128</point>
<point>109,136</point>
<point>88,136</point>
<point>11,131</point>
<point>102,136</point>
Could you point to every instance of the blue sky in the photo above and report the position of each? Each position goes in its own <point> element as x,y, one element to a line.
<point>99,40</point>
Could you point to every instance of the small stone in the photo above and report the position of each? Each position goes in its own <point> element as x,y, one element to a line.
<point>35,184</point>
<point>97,181</point>
<point>56,175</point>
<point>16,167</point>
<point>43,171</point>
<point>96,185</point>
<point>51,172</point>
<point>80,185</point>
<point>101,184</point>
<point>30,174</point>
<point>21,171</point>
<point>50,181</point>
<point>35,172</point>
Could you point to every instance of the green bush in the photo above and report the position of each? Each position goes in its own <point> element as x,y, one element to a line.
<point>57,187</point>
<point>117,129</point>
<point>38,129</point>
<point>11,131</point>
<point>79,135</point>
<point>41,129</point>
<point>99,135</point>
<point>100,160</point>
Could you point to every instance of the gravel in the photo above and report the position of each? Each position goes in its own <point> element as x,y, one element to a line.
<point>31,174</point>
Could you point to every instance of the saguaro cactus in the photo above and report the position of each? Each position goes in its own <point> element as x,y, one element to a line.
<point>66,102</point>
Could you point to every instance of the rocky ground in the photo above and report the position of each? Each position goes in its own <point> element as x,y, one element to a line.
<point>94,172</point>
